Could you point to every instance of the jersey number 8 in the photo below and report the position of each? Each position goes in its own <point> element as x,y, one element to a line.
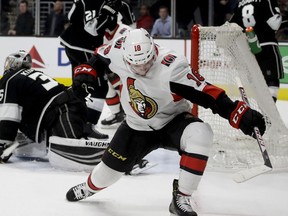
<point>247,16</point>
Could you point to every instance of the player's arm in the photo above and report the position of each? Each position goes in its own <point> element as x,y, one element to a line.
<point>10,117</point>
<point>107,18</point>
<point>274,17</point>
<point>85,74</point>
<point>76,13</point>
<point>193,87</point>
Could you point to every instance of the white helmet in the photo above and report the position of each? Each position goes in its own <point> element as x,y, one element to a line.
<point>138,47</point>
<point>18,60</point>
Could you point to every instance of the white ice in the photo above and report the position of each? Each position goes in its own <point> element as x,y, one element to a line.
<point>33,188</point>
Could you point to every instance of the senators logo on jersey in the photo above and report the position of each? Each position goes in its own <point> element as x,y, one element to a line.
<point>144,106</point>
<point>168,60</point>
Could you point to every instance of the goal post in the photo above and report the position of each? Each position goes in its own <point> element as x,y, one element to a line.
<point>221,54</point>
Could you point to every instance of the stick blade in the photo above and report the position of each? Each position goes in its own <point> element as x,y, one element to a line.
<point>247,174</point>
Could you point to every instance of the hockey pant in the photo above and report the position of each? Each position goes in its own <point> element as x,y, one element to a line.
<point>186,134</point>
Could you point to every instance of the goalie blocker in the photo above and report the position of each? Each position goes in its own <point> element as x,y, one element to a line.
<point>75,154</point>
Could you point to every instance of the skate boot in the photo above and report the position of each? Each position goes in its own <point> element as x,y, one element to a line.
<point>180,204</point>
<point>141,167</point>
<point>90,131</point>
<point>78,192</point>
<point>113,120</point>
<point>6,151</point>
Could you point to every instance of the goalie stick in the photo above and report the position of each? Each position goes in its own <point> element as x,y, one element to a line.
<point>247,174</point>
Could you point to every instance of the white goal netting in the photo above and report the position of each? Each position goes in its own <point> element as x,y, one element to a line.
<point>220,54</point>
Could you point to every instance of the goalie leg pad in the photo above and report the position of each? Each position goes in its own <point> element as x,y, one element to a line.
<point>75,154</point>
<point>196,142</point>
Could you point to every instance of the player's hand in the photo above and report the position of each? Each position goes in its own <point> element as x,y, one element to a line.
<point>111,7</point>
<point>246,119</point>
<point>84,79</point>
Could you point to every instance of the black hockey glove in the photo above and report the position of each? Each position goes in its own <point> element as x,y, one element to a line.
<point>84,80</point>
<point>246,119</point>
<point>111,7</point>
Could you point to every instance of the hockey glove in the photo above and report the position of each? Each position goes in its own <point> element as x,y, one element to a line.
<point>111,7</point>
<point>246,119</point>
<point>84,79</point>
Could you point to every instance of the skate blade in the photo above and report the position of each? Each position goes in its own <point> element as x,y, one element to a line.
<point>112,126</point>
<point>139,170</point>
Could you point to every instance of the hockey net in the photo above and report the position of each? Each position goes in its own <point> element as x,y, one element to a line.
<point>220,54</point>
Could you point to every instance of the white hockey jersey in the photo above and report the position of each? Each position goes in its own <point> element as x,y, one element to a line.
<point>147,100</point>
<point>120,31</point>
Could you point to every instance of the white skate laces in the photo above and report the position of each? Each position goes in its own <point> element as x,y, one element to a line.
<point>180,204</point>
<point>183,203</point>
<point>78,192</point>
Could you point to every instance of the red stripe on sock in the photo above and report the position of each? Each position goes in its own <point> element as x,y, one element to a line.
<point>113,101</point>
<point>193,163</point>
<point>91,185</point>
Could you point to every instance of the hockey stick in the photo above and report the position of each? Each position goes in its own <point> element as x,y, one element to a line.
<point>8,151</point>
<point>247,174</point>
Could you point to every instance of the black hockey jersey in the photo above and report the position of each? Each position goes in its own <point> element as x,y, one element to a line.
<point>24,96</point>
<point>263,15</point>
<point>83,33</point>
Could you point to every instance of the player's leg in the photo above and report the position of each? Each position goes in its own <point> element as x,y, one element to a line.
<point>193,139</point>
<point>67,117</point>
<point>270,62</point>
<point>126,148</point>
<point>113,102</point>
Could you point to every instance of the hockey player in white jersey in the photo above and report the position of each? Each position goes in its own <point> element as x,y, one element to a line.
<point>157,86</point>
<point>112,97</point>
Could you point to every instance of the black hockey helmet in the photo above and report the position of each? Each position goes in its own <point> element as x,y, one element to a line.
<point>18,60</point>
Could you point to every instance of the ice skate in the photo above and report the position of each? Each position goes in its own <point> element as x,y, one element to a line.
<point>92,132</point>
<point>6,151</point>
<point>78,192</point>
<point>141,167</point>
<point>113,120</point>
<point>180,204</point>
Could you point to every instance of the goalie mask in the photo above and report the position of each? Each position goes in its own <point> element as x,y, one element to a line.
<point>139,51</point>
<point>17,61</point>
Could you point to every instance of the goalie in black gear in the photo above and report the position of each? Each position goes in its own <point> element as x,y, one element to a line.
<point>33,103</point>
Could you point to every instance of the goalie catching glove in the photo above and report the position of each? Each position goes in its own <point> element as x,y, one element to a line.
<point>245,118</point>
<point>83,80</point>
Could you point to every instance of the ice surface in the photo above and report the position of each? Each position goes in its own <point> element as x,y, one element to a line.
<point>33,188</point>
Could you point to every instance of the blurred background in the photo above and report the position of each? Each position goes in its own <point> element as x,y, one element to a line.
<point>183,13</point>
